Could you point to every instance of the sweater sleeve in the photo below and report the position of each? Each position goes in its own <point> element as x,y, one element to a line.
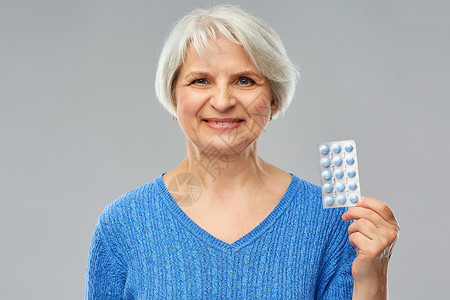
<point>105,275</point>
<point>337,279</point>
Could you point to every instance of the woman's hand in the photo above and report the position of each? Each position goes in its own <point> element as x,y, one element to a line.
<point>373,233</point>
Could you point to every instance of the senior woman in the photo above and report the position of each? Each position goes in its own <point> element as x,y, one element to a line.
<point>224,223</point>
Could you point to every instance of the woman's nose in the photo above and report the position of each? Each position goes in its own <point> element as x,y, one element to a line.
<point>222,98</point>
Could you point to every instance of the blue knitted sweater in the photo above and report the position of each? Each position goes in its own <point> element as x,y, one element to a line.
<point>145,247</point>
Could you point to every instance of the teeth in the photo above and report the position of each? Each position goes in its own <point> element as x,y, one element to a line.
<point>223,123</point>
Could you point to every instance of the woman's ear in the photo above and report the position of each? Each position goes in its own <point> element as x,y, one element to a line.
<point>174,101</point>
<point>173,92</point>
<point>272,109</point>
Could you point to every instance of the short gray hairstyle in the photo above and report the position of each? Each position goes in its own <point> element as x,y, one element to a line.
<point>261,43</point>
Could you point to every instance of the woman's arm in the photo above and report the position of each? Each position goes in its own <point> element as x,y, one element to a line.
<point>373,233</point>
<point>105,276</point>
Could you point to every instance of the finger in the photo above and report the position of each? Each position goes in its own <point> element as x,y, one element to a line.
<point>365,247</point>
<point>356,213</point>
<point>359,240</point>
<point>379,207</point>
<point>381,238</point>
<point>365,227</point>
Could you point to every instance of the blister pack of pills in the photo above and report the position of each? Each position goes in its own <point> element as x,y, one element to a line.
<point>339,174</point>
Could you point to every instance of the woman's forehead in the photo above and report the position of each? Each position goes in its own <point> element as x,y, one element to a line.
<point>220,51</point>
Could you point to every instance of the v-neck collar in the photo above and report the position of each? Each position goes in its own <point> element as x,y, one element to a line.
<point>211,240</point>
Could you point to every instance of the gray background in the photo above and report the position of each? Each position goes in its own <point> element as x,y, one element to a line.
<point>80,124</point>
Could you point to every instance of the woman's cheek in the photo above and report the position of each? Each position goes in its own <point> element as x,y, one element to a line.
<point>258,104</point>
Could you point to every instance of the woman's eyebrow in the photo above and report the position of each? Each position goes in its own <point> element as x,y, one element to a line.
<point>197,74</point>
<point>248,74</point>
<point>201,74</point>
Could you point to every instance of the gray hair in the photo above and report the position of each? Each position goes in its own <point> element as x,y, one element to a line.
<point>262,44</point>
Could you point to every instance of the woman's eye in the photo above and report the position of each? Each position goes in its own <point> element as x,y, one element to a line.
<point>245,81</point>
<point>200,81</point>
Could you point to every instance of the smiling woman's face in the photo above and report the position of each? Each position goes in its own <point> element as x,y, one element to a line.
<point>223,101</point>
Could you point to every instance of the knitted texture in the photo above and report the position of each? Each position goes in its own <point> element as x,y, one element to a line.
<point>145,247</point>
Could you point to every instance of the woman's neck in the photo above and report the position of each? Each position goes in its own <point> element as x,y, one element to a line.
<point>226,175</point>
<point>225,171</point>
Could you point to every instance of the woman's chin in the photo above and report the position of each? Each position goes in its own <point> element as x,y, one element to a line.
<point>221,146</point>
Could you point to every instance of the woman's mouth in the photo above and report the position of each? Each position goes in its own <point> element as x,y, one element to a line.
<point>223,123</point>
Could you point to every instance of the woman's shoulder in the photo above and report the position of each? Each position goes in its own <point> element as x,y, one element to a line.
<point>305,188</point>
<point>127,205</point>
<point>308,197</point>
